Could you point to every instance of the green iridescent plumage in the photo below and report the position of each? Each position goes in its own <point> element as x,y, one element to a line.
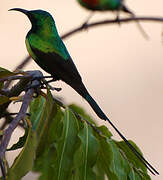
<point>49,52</point>
<point>44,35</point>
<point>104,5</point>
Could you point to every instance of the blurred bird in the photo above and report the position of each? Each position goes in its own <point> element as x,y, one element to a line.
<point>109,5</point>
<point>49,52</point>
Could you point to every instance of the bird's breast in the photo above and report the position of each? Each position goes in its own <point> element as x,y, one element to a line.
<point>29,49</point>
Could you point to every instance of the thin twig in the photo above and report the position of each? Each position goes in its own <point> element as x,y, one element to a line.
<point>8,119</point>
<point>16,90</point>
<point>23,63</point>
<point>10,78</point>
<point>20,66</point>
<point>21,115</point>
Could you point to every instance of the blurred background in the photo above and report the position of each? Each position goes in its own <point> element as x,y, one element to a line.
<point>122,70</point>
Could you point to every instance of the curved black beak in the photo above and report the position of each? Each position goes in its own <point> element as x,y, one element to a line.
<point>20,10</point>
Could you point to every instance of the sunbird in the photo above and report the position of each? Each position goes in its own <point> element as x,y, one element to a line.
<point>48,50</point>
<point>109,5</point>
<point>104,5</point>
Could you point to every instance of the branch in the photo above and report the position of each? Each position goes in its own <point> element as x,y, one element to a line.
<point>17,89</point>
<point>21,115</point>
<point>8,119</point>
<point>23,64</point>
<point>10,78</point>
<point>15,122</point>
<point>20,66</point>
<point>14,91</point>
<point>114,21</point>
<point>98,23</point>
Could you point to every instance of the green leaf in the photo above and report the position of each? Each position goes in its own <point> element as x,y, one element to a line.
<point>49,111</point>
<point>46,159</point>
<point>105,131</point>
<point>3,99</point>
<point>66,147</point>
<point>139,168</point>
<point>20,143</point>
<point>37,107</point>
<point>111,160</point>
<point>134,175</point>
<point>47,163</point>
<point>44,121</point>
<point>1,85</point>
<point>81,112</point>
<point>85,157</point>
<point>99,171</point>
<point>131,157</point>
<point>24,161</point>
<point>5,73</point>
<point>59,146</point>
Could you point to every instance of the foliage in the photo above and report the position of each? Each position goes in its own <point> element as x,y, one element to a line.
<point>61,146</point>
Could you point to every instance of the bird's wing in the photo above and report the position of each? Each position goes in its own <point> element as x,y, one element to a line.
<point>57,66</point>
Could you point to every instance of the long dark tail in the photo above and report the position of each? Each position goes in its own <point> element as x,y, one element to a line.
<point>81,89</point>
<point>127,10</point>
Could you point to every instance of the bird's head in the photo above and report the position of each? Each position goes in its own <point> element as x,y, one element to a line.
<point>39,19</point>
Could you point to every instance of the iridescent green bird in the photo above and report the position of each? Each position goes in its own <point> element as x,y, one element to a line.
<point>49,52</point>
<point>109,5</point>
<point>104,5</point>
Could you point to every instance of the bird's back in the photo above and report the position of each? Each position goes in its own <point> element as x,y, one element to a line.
<point>53,57</point>
<point>101,5</point>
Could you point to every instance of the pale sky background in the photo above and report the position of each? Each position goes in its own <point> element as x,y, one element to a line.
<point>122,70</point>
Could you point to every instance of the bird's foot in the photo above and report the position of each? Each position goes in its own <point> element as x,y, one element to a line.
<point>41,83</point>
<point>40,78</point>
<point>117,19</point>
<point>37,87</point>
<point>84,26</point>
<point>46,83</point>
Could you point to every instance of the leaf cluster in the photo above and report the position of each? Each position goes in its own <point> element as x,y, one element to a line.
<point>61,146</point>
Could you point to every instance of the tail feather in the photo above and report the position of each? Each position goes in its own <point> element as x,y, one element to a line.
<point>81,89</point>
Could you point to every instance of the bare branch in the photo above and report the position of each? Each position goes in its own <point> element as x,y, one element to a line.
<point>10,78</point>
<point>21,115</point>
<point>23,63</point>
<point>15,122</point>
<point>16,90</point>
<point>114,21</point>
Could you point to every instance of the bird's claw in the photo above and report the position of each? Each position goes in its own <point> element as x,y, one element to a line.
<point>42,84</point>
<point>117,19</point>
<point>84,26</point>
